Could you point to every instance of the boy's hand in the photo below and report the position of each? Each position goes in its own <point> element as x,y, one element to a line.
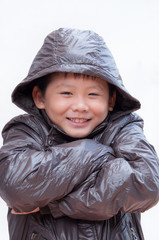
<point>23,213</point>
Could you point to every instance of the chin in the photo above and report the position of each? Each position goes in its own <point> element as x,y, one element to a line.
<point>79,135</point>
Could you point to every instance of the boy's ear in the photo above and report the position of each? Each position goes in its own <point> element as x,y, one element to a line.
<point>38,98</point>
<point>112,101</point>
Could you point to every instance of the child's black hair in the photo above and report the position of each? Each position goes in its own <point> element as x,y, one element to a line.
<point>43,82</point>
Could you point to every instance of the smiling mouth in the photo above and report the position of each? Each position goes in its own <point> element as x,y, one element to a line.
<point>78,120</point>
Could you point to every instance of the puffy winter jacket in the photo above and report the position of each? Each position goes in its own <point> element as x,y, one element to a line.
<point>92,188</point>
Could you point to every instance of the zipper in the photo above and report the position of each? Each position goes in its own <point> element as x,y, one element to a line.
<point>133,234</point>
<point>33,236</point>
<point>94,232</point>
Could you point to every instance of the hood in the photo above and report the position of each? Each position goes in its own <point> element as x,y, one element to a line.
<point>78,51</point>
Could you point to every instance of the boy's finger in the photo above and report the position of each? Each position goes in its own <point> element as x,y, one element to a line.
<point>22,213</point>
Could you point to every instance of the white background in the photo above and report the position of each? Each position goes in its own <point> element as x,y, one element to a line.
<point>131,31</point>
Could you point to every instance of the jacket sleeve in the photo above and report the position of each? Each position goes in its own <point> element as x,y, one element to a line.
<point>31,177</point>
<point>129,182</point>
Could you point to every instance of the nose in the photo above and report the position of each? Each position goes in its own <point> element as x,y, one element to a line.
<point>80,105</point>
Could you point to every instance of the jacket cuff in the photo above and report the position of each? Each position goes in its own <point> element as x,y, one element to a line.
<point>54,209</point>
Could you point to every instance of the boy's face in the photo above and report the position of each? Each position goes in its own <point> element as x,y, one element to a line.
<point>75,104</point>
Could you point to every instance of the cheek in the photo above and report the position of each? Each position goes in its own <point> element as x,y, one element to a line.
<point>56,107</point>
<point>100,108</point>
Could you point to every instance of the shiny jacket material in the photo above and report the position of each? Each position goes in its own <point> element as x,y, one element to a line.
<point>92,188</point>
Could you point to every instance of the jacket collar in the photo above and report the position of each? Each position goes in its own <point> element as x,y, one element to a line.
<point>58,136</point>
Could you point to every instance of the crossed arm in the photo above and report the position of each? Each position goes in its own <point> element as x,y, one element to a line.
<point>32,177</point>
<point>81,179</point>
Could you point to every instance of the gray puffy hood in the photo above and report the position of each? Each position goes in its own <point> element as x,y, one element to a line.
<point>72,50</point>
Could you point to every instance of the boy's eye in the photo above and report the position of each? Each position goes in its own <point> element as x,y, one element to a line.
<point>66,93</point>
<point>93,94</point>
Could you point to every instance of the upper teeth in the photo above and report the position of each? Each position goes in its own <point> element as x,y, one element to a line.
<point>78,120</point>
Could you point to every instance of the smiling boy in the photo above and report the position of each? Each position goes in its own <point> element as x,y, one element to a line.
<point>77,165</point>
<point>82,102</point>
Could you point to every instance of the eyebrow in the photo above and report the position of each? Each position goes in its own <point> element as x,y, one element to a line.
<point>64,85</point>
<point>72,86</point>
<point>96,87</point>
